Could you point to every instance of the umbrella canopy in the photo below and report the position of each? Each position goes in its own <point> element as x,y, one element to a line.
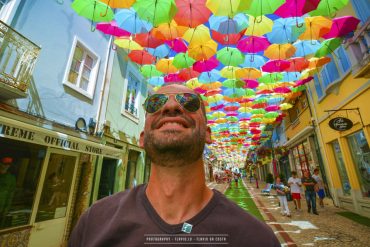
<point>318,62</point>
<point>203,51</point>
<point>119,3</point>
<point>248,73</point>
<point>112,28</point>
<point>178,45</point>
<point>128,20</point>
<point>93,10</point>
<point>306,47</point>
<point>253,61</point>
<point>329,7</point>
<point>210,76</point>
<point>168,31</point>
<point>147,40</point>
<point>156,11</point>
<point>227,39</point>
<point>316,27</point>
<point>233,83</point>
<point>263,7</point>
<point>259,26</point>
<point>188,73</point>
<point>191,13</point>
<point>127,43</point>
<point>342,26</point>
<point>150,71</point>
<point>182,60</point>
<point>286,30</point>
<point>275,66</point>
<point>328,46</point>
<point>197,35</point>
<point>297,64</point>
<point>227,8</point>
<point>229,72</point>
<point>160,51</point>
<point>156,81</point>
<point>253,44</point>
<point>165,66</point>
<point>141,57</point>
<point>250,83</point>
<point>280,51</point>
<point>227,25</point>
<point>293,8</point>
<point>230,56</point>
<point>206,65</point>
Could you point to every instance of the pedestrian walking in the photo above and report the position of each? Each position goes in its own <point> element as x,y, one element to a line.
<point>320,187</point>
<point>295,184</point>
<point>281,191</point>
<point>176,199</point>
<point>309,183</point>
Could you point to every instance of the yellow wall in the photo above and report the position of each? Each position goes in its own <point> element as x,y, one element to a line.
<point>304,120</point>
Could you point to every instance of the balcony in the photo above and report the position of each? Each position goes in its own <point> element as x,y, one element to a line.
<point>359,47</point>
<point>18,56</point>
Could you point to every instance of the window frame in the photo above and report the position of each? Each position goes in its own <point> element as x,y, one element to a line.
<point>9,9</point>
<point>89,93</point>
<point>134,72</point>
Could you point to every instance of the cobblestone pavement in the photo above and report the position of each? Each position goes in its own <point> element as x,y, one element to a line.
<point>304,229</point>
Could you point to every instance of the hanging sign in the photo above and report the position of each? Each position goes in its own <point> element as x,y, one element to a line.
<point>340,123</point>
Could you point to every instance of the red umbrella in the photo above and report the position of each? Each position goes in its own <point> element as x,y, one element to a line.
<point>293,8</point>
<point>111,28</point>
<point>178,45</point>
<point>282,90</point>
<point>217,107</point>
<point>297,64</point>
<point>212,92</point>
<point>191,13</point>
<point>141,57</point>
<point>265,91</point>
<point>231,108</point>
<point>342,26</point>
<point>227,39</point>
<point>251,83</point>
<point>147,40</point>
<point>277,65</point>
<point>188,73</point>
<point>253,44</point>
<point>173,78</point>
<point>206,65</point>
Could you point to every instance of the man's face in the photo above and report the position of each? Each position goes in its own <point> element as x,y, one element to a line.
<point>173,133</point>
<point>306,174</point>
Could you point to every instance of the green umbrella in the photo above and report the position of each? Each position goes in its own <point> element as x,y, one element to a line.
<point>328,46</point>
<point>256,120</point>
<point>249,92</point>
<point>232,119</point>
<point>272,114</point>
<point>156,11</point>
<point>230,56</point>
<point>328,7</point>
<point>182,61</point>
<point>260,100</point>
<point>271,78</point>
<point>258,111</point>
<point>150,71</point>
<point>93,10</point>
<point>233,83</point>
<point>263,7</point>
<point>298,89</point>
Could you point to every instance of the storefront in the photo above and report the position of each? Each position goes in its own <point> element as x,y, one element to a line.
<point>40,181</point>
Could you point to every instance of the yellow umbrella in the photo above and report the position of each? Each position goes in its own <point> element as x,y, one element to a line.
<point>248,73</point>
<point>280,51</point>
<point>229,72</point>
<point>203,50</point>
<point>197,35</point>
<point>193,83</point>
<point>228,8</point>
<point>119,4</point>
<point>127,43</point>
<point>169,31</point>
<point>259,25</point>
<point>316,27</point>
<point>211,86</point>
<point>316,62</point>
<point>244,109</point>
<point>165,66</point>
<point>214,98</point>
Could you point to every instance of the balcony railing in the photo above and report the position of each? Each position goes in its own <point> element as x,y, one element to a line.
<point>359,47</point>
<point>18,56</point>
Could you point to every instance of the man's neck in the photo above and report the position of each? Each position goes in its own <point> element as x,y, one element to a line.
<point>178,193</point>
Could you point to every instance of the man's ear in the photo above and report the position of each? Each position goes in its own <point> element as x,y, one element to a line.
<point>208,135</point>
<point>141,140</point>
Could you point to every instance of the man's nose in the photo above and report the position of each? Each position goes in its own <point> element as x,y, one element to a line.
<point>172,106</point>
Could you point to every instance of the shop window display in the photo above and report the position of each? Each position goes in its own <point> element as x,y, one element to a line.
<point>361,156</point>
<point>341,168</point>
<point>20,167</point>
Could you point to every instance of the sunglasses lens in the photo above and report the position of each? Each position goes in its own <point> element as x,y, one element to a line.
<point>155,102</point>
<point>189,101</point>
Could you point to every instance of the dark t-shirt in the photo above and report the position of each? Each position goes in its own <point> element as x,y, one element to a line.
<point>128,219</point>
<point>309,180</point>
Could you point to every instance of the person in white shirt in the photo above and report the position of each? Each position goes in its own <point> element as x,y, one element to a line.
<point>295,188</point>
<point>320,191</point>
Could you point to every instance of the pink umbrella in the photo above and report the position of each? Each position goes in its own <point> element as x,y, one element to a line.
<point>293,8</point>
<point>302,82</point>
<point>178,45</point>
<point>250,83</point>
<point>342,26</point>
<point>111,28</point>
<point>253,44</point>
<point>173,78</point>
<point>282,90</point>
<point>200,91</point>
<point>275,66</point>
<point>232,114</point>
<point>206,65</point>
<point>272,108</point>
<point>217,107</point>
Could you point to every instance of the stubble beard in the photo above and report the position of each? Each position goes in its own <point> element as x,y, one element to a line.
<point>173,151</point>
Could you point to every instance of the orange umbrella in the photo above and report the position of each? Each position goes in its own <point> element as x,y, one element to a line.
<point>203,51</point>
<point>119,4</point>
<point>165,66</point>
<point>316,27</point>
<point>169,31</point>
<point>248,73</point>
<point>280,51</point>
<point>147,40</point>
<point>318,62</point>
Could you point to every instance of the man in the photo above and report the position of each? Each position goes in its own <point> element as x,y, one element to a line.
<point>295,189</point>
<point>7,188</point>
<point>176,204</point>
<point>310,194</point>
<point>320,184</point>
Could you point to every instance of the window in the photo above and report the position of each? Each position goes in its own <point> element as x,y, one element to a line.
<point>82,69</point>
<point>2,3</point>
<point>362,8</point>
<point>131,95</point>
<point>18,181</point>
<point>361,156</point>
<point>8,9</point>
<point>341,168</point>
<point>332,72</point>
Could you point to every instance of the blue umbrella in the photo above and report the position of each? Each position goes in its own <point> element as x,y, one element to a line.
<point>253,61</point>
<point>208,77</point>
<point>234,92</point>
<point>161,51</point>
<point>156,81</point>
<point>128,20</point>
<point>226,25</point>
<point>306,47</point>
<point>291,76</point>
<point>285,30</point>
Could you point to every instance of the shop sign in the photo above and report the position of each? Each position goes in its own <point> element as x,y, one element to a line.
<point>56,139</point>
<point>340,123</point>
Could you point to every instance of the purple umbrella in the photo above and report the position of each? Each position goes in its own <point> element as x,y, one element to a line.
<point>253,44</point>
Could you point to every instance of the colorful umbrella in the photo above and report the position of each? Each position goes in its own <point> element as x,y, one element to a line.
<point>329,7</point>
<point>253,61</point>
<point>188,73</point>
<point>170,78</point>
<point>177,45</point>
<point>165,66</point>
<point>248,73</point>
<point>160,51</point>
<point>156,11</point>
<point>147,40</point>
<point>182,60</point>
<point>209,76</point>
<point>285,30</point>
<point>297,64</point>
<point>206,65</point>
<point>227,39</point>
<point>191,13</point>
<point>127,43</point>
<point>156,81</point>
<point>233,83</point>
<point>197,35</point>
<point>342,26</point>
<point>119,4</point>
<point>141,57</point>
<point>227,25</point>
<point>275,66</point>
<point>203,51</point>
<point>259,26</point>
<point>128,20</point>
<point>315,62</point>
<point>280,51</point>
<point>328,46</point>
<point>230,56</point>
<point>293,8</point>
<point>111,28</point>
<point>227,8</point>
<point>168,31</point>
<point>253,44</point>
<point>316,27</point>
<point>263,7</point>
<point>229,72</point>
<point>250,83</point>
<point>306,47</point>
<point>270,78</point>
<point>150,71</point>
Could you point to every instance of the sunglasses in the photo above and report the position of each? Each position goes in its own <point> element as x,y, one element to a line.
<point>188,101</point>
